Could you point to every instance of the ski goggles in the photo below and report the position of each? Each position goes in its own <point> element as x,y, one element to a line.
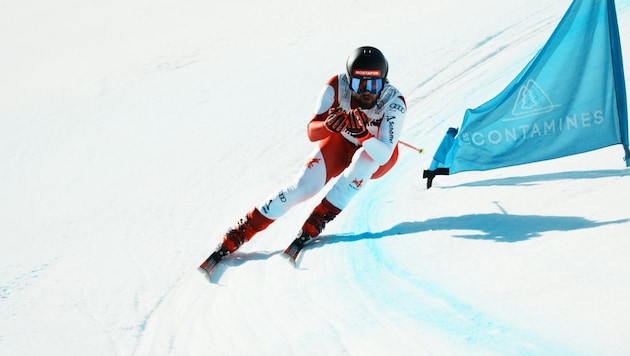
<point>372,86</point>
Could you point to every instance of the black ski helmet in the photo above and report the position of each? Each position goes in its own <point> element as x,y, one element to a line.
<point>367,63</point>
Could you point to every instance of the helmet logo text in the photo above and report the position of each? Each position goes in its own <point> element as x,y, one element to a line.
<point>366,73</point>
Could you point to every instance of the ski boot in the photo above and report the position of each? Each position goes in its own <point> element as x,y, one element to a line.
<point>324,213</point>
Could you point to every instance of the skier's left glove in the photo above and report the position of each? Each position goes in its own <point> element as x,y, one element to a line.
<point>357,125</point>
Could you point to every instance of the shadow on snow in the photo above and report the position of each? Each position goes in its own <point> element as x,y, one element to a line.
<point>495,227</point>
<point>533,179</point>
<point>491,227</point>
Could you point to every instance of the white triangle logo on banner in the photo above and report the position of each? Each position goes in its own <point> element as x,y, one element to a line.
<point>531,100</point>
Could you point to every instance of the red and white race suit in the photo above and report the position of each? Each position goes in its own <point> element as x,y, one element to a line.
<point>340,154</point>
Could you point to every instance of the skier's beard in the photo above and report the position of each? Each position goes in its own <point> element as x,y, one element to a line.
<point>365,100</point>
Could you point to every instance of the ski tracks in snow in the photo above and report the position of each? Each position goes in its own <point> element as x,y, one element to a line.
<point>406,308</point>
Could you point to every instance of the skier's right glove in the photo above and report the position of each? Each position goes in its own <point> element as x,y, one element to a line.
<point>357,123</point>
<point>337,120</point>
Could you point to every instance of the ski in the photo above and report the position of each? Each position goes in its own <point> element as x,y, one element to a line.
<point>296,246</point>
<point>211,262</point>
<point>294,250</point>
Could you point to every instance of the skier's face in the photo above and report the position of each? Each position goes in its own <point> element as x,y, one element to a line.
<point>366,91</point>
<point>366,100</point>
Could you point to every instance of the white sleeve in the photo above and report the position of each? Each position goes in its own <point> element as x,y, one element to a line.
<point>326,100</point>
<point>382,145</point>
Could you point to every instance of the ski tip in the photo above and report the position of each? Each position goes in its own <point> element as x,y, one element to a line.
<point>210,263</point>
<point>292,257</point>
<point>291,253</point>
<point>207,275</point>
<point>203,272</point>
<point>289,258</point>
<point>294,250</point>
<point>207,267</point>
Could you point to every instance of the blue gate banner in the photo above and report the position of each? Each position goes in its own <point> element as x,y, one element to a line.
<point>569,99</point>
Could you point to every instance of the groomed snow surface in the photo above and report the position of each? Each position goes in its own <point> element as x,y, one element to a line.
<point>134,133</point>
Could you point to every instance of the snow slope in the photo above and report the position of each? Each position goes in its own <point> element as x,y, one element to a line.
<point>134,133</point>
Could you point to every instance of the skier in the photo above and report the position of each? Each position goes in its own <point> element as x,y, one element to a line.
<point>358,119</point>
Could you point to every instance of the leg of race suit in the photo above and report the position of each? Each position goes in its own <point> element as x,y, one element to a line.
<point>333,155</point>
<point>349,184</point>
<point>353,179</point>
<point>309,182</point>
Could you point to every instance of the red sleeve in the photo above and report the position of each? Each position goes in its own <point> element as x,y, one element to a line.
<point>316,130</point>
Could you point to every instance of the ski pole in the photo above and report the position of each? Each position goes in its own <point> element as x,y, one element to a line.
<point>419,150</point>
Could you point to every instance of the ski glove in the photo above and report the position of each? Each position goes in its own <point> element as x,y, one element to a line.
<point>337,120</point>
<point>357,125</point>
